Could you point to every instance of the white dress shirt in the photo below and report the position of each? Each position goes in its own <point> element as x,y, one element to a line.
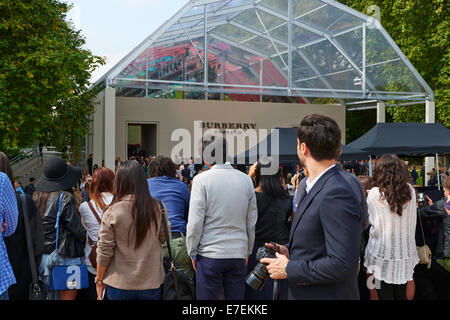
<point>310,184</point>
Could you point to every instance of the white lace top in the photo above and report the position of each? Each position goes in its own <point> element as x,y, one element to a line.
<point>391,252</point>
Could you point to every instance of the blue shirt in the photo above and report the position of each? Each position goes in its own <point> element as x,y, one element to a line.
<point>175,195</point>
<point>9,215</point>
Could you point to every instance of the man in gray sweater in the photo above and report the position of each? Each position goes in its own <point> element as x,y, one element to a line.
<point>221,228</point>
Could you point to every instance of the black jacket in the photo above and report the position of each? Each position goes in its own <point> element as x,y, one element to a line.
<point>72,235</point>
<point>437,211</point>
<point>273,219</point>
<point>17,248</point>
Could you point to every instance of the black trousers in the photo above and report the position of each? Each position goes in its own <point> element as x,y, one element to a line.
<point>390,291</point>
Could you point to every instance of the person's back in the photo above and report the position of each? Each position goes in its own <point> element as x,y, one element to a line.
<point>129,249</point>
<point>273,219</point>
<point>164,186</point>
<point>230,210</point>
<point>128,267</point>
<point>392,237</point>
<point>391,253</point>
<point>175,195</point>
<point>221,230</point>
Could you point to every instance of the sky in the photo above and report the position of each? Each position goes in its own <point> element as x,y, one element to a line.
<point>113,28</point>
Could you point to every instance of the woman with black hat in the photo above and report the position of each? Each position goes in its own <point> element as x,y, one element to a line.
<point>58,180</point>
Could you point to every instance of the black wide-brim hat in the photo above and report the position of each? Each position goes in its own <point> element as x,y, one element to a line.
<point>58,175</point>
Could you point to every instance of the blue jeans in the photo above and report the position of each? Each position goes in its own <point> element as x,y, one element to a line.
<point>119,294</point>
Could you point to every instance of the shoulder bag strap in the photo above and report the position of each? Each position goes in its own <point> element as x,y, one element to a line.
<point>28,236</point>
<point>94,212</point>
<point>421,228</point>
<point>166,229</point>
<point>58,215</point>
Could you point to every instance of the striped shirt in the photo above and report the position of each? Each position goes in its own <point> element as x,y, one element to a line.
<point>9,215</point>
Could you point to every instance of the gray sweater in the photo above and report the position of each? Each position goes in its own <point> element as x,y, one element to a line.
<point>222,214</point>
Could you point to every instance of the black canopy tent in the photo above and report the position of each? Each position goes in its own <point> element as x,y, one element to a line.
<point>419,139</point>
<point>415,139</point>
<point>287,151</point>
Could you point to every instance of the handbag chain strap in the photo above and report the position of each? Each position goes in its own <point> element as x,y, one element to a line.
<point>28,236</point>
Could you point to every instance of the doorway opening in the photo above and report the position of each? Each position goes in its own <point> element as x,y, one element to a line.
<point>142,140</point>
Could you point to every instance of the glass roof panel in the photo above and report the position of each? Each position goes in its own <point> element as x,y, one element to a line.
<point>393,76</point>
<point>232,33</point>
<point>325,57</point>
<point>281,6</point>
<point>330,19</point>
<point>305,7</point>
<point>301,36</point>
<point>248,52</point>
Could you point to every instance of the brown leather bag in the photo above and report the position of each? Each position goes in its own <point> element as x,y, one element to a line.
<point>93,255</point>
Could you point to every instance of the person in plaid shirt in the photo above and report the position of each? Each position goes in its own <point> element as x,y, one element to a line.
<point>8,219</point>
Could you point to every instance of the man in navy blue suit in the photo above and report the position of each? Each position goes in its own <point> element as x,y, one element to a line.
<point>321,259</point>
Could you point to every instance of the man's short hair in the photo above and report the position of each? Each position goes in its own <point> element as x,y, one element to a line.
<point>322,136</point>
<point>162,166</point>
<point>32,179</point>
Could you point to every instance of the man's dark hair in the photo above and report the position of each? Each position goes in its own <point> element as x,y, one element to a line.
<point>162,166</point>
<point>322,136</point>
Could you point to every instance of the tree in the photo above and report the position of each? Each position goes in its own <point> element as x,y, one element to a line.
<point>421,29</point>
<point>44,76</point>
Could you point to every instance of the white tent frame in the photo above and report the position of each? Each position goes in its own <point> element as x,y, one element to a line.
<point>223,15</point>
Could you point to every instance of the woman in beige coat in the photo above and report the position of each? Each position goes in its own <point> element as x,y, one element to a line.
<point>129,249</point>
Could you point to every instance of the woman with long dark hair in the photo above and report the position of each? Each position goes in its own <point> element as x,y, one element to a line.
<point>391,253</point>
<point>274,212</point>
<point>129,250</point>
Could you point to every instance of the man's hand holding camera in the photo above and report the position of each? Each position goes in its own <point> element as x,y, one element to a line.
<point>277,266</point>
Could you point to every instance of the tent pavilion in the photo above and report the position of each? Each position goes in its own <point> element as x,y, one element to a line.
<point>250,49</point>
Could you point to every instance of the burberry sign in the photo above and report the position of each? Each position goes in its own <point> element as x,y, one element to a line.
<point>228,125</point>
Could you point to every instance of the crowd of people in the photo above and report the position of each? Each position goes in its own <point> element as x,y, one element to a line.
<point>335,232</point>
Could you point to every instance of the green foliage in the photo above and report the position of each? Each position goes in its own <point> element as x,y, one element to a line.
<point>421,28</point>
<point>44,76</point>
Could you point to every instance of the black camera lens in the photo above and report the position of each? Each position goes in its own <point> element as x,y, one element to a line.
<point>258,276</point>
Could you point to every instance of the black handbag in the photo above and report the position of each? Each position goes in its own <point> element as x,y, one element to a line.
<point>37,287</point>
<point>177,285</point>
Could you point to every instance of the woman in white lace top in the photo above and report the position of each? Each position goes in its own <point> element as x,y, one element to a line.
<point>391,253</point>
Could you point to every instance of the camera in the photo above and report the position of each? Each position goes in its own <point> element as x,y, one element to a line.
<point>421,202</point>
<point>258,276</point>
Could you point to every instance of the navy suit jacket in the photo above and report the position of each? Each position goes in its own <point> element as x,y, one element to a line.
<point>324,241</point>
